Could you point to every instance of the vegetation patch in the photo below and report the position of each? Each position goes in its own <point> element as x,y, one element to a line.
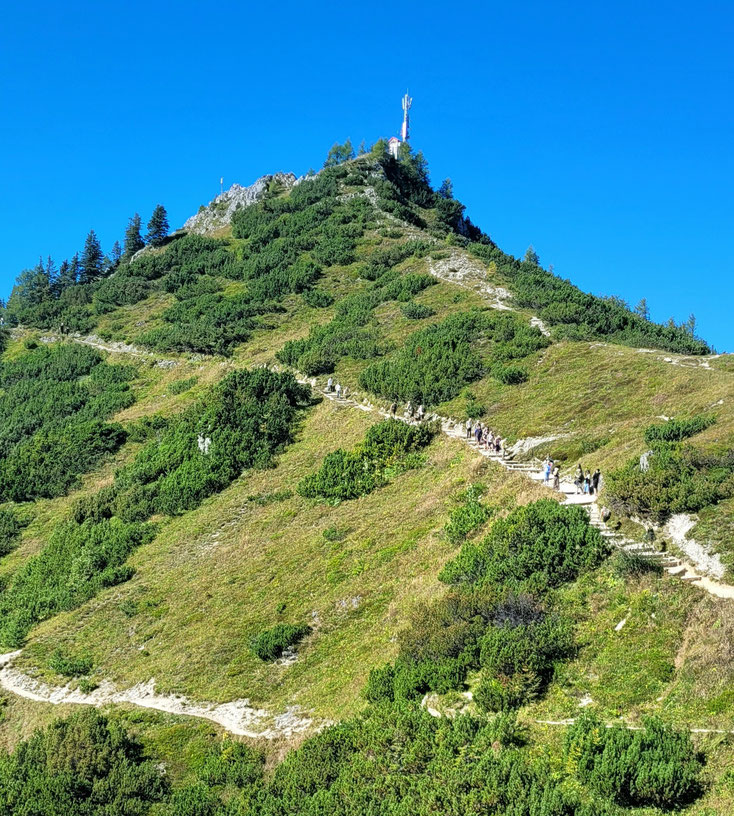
<point>655,767</point>
<point>241,423</point>
<point>388,448</point>
<point>53,404</point>
<point>271,644</point>
<point>438,361</point>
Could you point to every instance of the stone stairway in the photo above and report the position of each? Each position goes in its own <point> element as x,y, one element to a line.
<point>532,470</point>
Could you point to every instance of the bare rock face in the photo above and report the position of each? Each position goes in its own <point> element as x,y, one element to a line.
<point>220,211</point>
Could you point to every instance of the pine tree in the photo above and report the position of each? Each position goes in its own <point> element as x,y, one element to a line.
<point>362,149</point>
<point>133,239</point>
<point>446,190</point>
<point>338,154</point>
<point>74,269</point>
<point>531,256</point>
<point>379,150</point>
<point>91,260</point>
<point>115,253</point>
<point>62,279</point>
<point>642,309</point>
<point>157,226</point>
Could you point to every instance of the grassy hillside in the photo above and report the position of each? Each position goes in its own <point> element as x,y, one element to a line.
<point>118,571</point>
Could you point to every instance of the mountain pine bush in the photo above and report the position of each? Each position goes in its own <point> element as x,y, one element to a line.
<point>657,766</point>
<point>388,447</point>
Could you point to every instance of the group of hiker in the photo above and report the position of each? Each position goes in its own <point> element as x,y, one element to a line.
<point>484,437</point>
<point>331,388</point>
<point>584,481</point>
<point>411,412</point>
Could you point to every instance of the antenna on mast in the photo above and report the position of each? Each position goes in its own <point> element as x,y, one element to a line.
<point>404,132</point>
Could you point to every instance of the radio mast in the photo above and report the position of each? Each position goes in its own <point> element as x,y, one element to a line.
<point>404,133</point>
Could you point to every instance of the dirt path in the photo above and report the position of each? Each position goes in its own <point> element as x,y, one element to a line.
<point>237,717</point>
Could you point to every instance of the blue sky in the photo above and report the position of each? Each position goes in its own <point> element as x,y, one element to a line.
<point>601,133</point>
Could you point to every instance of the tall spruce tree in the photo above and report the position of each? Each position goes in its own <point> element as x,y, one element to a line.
<point>115,253</point>
<point>157,226</point>
<point>133,239</point>
<point>92,259</point>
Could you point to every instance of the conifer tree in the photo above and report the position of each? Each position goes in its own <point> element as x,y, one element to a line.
<point>531,256</point>
<point>133,239</point>
<point>157,226</point>
<point>642,309</point>
<point>379,150</point>
<point>339,154</point>
<point>91,260</point>
<point>446,190</point>
<point>74,270</point>
<point>115,253</point>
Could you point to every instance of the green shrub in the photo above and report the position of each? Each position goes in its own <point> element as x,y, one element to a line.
<point>380,684</point>
<point>468,516</point>
<point>388,447</point>
<point>232,763</point>
<point>69,666</point>
<point>576,315</point>
<point>270,644</point>
<point>657,766</point>
<point>317,298</point>
<point>518,659</point>
<point>416,311</point>
<point>679,479</point>
<point>627,564</point>
<point>52,406</point>
<point>509,374</point>
<point>539,546</point>
<point>85,765</point>
<point>10,528</point>
<point>504,694</point>
<point>676,430</point>
<point>49,463</point>
<point>179,386</point>
<point>438,361</point>
<point>77,562</point>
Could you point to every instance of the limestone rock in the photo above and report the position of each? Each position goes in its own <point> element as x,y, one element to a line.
<point>220,211</point>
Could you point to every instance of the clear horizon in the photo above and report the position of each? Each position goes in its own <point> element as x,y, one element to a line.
<point>601,138</point>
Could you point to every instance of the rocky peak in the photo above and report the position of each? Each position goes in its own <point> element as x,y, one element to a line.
<point>219,212</point>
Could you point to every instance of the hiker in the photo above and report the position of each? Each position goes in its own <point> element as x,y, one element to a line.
<point>498,444</point>
<point>338,391</point>
<point>556,478</point>
<point>547,465</point>
<point>579,478</point>
<point>345,392</point>
<point>329,385</point>
<point>421,412</point>
<point>409,410</point>
<point>587,482</point>
<point>468,428</point>
<point>478,434</point>
<point>595,479</point>
<point>393,409</point>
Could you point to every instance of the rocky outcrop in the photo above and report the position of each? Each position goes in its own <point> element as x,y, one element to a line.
<point>220,211</point>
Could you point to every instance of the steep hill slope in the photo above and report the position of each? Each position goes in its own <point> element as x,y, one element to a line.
<point>179,554</point>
